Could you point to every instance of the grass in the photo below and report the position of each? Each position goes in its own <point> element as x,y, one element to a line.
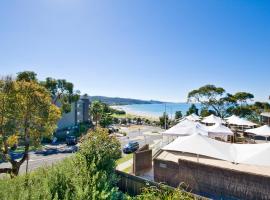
<point>124,159</point>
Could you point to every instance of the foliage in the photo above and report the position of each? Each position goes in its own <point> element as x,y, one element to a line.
<point>211,97</point>
<point>164,120</point>
<point>96,111</point>
<point>101,113</point>
<point>61,92</point>
<point>205,112</point>
<point>27,76</point>
<point>163,193</point>
<point>87,175</point>
<point>27,114</point>
<point>192,110</point>
<point>243,97</point>
<point>178,115</point>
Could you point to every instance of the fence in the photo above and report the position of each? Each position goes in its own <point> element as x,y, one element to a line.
<point>133,185</point>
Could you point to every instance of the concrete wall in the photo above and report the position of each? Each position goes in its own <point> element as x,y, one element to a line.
<point>212,181</point>
<point>142,160</point>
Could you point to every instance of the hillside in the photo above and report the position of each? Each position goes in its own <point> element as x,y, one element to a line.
<point>121,101</point>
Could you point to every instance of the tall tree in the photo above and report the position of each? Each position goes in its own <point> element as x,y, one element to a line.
<point>178,115</point>
<point>243,97</point>
<point>164,120</point>
<point>192,110</point>
<point>26,113</point>
<point>96,110</point>
<point>27,76</point>
<point>61,91</point>
<point>212,97</point>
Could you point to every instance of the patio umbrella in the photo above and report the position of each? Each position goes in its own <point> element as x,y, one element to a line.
<point>193,117</point>
<point>261,131</point>
<point>219,130</point>
<point>212,119</point>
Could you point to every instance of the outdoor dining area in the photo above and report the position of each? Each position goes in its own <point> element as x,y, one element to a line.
<point>216,157</point>
<point>232,129</point>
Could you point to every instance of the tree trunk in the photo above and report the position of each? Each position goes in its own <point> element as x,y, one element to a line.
<point>15,169</point>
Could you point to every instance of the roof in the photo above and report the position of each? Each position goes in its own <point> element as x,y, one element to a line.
<point>265,114</point>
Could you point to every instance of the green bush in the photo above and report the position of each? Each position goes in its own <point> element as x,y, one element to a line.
<point>86,175</point>
<point>163,193</point>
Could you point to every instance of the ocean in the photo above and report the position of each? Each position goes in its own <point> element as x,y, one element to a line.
<point>155,110</point>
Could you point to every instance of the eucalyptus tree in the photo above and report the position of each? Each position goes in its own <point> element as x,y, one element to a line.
<point>212,98</point>
<point>26,114</point>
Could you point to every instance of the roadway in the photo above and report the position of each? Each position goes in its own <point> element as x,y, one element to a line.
<point>54,153</point>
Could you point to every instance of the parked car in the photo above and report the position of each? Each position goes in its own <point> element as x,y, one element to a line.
<point>112,129</point>
<point>71,140</point>
<point>131,147</point>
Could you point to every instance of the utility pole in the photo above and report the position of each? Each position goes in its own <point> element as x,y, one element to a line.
<point>165,118</point>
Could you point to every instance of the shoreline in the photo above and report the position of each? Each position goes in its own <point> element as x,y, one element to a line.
<point>137,113</point>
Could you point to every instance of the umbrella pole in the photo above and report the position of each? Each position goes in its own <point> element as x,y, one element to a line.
<point>197,157</point>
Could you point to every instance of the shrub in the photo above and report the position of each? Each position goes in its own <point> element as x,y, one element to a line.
<point>86,175</point>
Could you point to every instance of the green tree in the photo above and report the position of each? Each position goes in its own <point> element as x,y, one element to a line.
<point>106,119</point>
<point>205,112</point>
<point>164,119</point>
<point>243,97</point>
<point>178,115</point>
<point>192,110</point>
<point>27,76</point>
<point>26,114</point>
<point>96,110</point>
<point>62,92</point>
<point>212,98</point>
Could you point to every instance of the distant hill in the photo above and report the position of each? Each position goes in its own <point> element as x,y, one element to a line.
<point>121,101</point>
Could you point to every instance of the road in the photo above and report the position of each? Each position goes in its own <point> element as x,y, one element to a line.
<point>55,153</point>
<point>46,157</point>
<point>142,134</point>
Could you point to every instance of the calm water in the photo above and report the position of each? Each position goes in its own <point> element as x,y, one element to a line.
<point>156,110</point>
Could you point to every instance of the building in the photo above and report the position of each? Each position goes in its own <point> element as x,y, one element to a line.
<point>79,113</point>
<point>265,118</point>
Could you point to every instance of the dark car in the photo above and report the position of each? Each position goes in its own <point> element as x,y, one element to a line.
<point>71,140</point>
<point>131,147</point>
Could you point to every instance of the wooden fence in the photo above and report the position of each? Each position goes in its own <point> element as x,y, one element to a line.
<point>133,185</point>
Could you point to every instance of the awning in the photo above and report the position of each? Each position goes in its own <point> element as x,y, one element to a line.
<point>253,154</point>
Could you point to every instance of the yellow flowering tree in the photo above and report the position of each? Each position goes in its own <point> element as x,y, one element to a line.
<point>26,113</point>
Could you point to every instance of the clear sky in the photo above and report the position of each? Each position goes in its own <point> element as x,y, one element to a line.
<point>147,49</point>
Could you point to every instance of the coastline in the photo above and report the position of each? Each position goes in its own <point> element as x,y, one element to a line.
<point>131,113</point>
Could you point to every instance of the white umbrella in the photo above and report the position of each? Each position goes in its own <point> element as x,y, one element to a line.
<point>212,119</point>
<point>201,145</point>
<point>186,127</point>
<point>193,117</point>
<point>219,130</point>
<point>261,131</point>
<point>235,120</point>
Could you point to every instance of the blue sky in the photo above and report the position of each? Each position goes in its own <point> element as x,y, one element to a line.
<point>145,49</point>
